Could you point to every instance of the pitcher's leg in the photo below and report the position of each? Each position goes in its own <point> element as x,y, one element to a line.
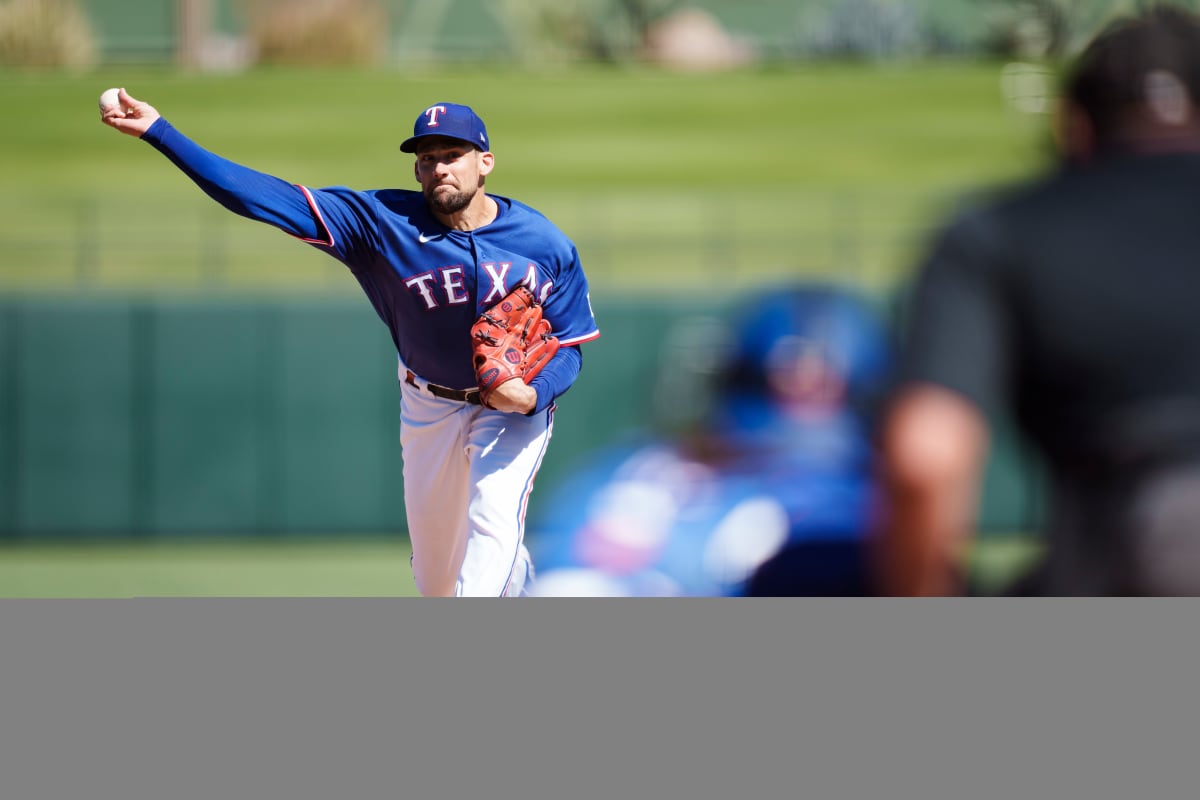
<point>436,494</point>
<point>507,452</point>
<point>520,582</point>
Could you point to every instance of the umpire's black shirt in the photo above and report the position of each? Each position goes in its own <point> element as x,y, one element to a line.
<point>1072,306</point>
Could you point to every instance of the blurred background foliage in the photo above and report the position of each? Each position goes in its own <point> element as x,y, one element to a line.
<point>234,33</point>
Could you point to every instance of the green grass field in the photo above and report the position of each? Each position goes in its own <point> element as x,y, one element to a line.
<point>330,567</point>
<point>286,568</point>
<point>738,177</point>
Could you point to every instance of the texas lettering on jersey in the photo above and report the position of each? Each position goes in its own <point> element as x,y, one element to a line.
<point>446,285</point>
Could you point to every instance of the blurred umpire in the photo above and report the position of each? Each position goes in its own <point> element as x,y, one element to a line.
<point>1070,305</point>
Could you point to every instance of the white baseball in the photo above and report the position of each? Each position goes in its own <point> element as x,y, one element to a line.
<point>109,99</point>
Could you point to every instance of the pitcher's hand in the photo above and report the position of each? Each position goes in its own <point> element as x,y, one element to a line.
<point>132,117</point>
<point>514,397</point>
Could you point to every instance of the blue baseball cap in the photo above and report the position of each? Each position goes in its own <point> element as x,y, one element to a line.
<point>450,120</point>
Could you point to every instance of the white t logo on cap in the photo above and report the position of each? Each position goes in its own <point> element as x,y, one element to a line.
<point>432,112</point>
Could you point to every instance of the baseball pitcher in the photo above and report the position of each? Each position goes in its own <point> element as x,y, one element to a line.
<point>487,304</point>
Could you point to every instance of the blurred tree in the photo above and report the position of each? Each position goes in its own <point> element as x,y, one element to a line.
<point>317,32</point>
<point>45,33</point>
<point>193,21</point>
<point>597,30</point>
<point>865,29</point>
<point>1051,29</point>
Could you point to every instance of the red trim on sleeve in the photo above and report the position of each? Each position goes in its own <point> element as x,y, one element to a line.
<point>312,203</point>
<point>580,339</point>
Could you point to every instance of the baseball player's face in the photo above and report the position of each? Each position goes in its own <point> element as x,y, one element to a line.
<point>451,173</point>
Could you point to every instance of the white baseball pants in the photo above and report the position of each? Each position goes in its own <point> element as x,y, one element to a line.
<point>468,474</point>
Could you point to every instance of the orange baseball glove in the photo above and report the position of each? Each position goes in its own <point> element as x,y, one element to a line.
<point>511,340</point>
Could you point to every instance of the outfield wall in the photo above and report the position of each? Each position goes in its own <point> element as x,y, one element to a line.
<point>151,417</point>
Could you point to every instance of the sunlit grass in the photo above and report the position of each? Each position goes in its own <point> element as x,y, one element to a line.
<point>226,568</point>
<point>663,179</point>
<point>327,567</point>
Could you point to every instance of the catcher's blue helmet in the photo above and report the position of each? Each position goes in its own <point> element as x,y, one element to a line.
<point>803,352</point>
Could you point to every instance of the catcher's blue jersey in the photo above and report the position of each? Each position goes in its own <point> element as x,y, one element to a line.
<point>649,519</point>
<point>428,283</point>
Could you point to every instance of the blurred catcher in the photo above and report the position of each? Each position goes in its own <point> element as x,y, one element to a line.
<point>768,491</point>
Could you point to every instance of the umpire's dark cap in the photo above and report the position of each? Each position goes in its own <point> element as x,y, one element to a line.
<point>450,120</point>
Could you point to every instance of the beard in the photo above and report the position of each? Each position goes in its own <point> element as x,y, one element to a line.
<point>448,202</point>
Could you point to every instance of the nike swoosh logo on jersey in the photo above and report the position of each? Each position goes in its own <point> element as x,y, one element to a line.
<point>422,238</point>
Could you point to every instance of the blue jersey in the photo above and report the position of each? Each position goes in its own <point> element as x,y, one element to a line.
<point>427,283</point>
<point>648,518</point>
